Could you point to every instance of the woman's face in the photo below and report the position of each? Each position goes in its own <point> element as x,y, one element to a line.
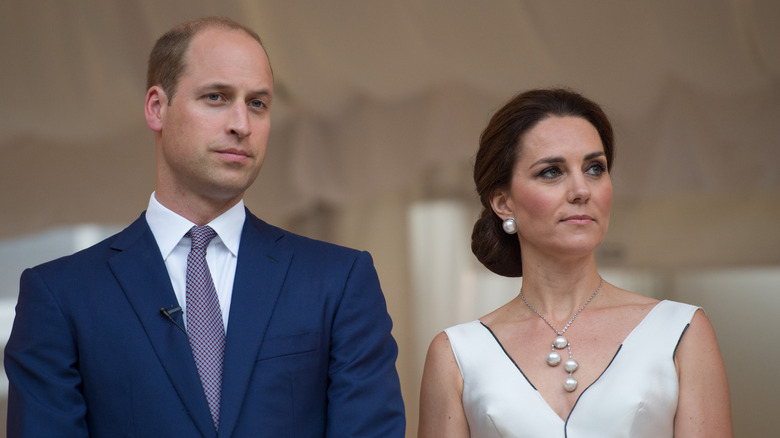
<point>561,191</point>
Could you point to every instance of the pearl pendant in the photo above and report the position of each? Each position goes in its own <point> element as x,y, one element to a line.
<point>553,358</point>
<point>570,365</point>
<point>560,342</point>
<point>570,384</point>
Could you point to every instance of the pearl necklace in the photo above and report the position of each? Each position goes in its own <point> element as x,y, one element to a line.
<point>560,342</point>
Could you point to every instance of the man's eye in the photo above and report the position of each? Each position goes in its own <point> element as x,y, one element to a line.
<point>257,104</point>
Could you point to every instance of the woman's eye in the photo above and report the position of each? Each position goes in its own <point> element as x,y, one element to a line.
<point>596,169</point>
<point>551,172</point>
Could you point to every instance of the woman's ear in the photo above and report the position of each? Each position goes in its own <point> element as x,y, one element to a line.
<point>154,107</point>
<point>501,203</point>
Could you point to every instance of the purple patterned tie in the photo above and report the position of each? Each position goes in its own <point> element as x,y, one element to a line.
<point>204,319</point>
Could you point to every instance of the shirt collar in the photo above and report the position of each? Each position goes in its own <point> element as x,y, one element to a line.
<point>169,228</point>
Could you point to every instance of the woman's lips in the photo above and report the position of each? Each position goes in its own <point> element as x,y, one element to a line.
<point>579,219</point>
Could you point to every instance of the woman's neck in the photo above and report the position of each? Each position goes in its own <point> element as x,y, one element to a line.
<point>558,290</point>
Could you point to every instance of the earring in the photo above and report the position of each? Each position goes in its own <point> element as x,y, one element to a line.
<point>509,225</point>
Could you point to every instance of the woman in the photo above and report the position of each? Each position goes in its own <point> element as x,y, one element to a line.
<point>572,356</point>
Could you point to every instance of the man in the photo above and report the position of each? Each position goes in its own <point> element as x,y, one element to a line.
<point>272,334</point>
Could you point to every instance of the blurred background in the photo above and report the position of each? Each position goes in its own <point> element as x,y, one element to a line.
<point>377,113</point>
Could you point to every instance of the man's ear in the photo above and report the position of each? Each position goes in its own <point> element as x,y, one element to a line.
<point>154,107</point>
<point>501,203</point>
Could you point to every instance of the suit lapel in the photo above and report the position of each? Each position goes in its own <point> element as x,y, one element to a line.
<point>141,272</point>
<point>260,273</point>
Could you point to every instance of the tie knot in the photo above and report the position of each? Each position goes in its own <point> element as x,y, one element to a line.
<point>201,235</point>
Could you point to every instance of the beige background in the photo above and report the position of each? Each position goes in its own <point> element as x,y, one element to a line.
<point>378,109</point>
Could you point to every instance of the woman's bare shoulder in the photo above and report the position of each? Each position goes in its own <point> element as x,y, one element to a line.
<point>624,308</point>
<point>507,314</point>
<point>618,297</point>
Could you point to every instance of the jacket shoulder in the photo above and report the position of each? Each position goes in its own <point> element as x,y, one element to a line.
<point>304,246</point>
<point>97,252</point>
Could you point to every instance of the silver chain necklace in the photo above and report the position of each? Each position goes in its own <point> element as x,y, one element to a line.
<point>560,342</point>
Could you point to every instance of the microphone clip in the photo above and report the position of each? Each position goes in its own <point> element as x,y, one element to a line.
<point>169,312</point>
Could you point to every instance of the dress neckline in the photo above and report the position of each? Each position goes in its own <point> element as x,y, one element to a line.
<point>541,398</point>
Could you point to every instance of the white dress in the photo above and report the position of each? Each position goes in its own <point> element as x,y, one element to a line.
<point>635,397</point>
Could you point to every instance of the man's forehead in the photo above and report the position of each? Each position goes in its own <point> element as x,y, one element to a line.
<point>210,33</point>
<point>223,59</point>
<point>215,42</point>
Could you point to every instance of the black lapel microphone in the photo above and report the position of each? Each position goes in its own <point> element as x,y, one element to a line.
<point>168,313</point>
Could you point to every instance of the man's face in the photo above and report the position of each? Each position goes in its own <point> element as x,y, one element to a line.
<point>214,131</point>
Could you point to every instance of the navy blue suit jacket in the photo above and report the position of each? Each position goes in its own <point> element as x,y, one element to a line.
<point>308,351</point>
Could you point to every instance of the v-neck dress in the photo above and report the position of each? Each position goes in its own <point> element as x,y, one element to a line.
<point>636,396</point>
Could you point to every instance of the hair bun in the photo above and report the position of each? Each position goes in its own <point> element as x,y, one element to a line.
<point>498,251</point>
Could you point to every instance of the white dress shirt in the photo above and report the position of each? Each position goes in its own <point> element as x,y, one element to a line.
<point>221,254</point>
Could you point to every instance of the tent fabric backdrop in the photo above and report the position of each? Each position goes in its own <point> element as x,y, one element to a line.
<point>372,96</point>
<point>380,104</point>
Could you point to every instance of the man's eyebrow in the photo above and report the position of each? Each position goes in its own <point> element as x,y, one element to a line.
<point>216,86</point>
<point>261,92</point>
<point>219,86</point>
